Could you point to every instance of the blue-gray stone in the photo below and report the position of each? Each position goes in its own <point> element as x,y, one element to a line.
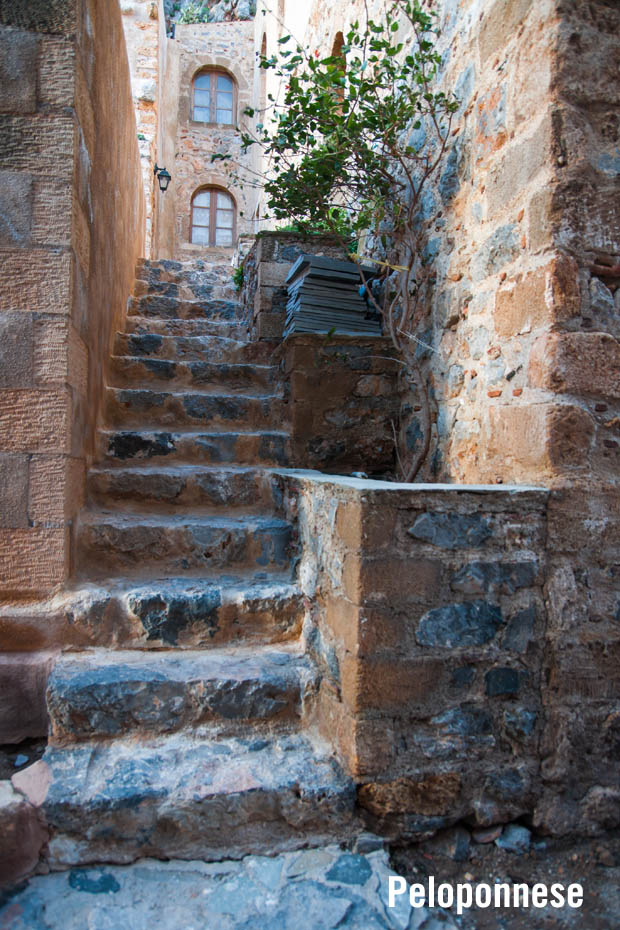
<point>166,616</point>
<point>463,676</point>
<point>468,720</point>
<point>413,434</point>
<point>141,400</point>
<point>609,164</point>
<point>449,181</point>
<point>350,869</point>
<point>144,344</point>
<point>519,723</point>
<point>93,882</point>
<point>507,785</point>
<point>520,630</point>
<point>451,530</point>
<point>464,86</point>
<point>204,407</point>
<point>499,249</point>
<point>128,445</point>
<point>500,681</point>
<point>471,624</point>
<point>514,838</point>
<point>502,577</point>
<point>161,367</point>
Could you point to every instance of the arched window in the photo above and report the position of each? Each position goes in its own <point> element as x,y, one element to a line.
<point>214,97</point>
<point>213,217</point>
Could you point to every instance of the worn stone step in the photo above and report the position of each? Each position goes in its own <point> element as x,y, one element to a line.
<point>132,370</point>
<point>208,347</point>
<point>265,447</point>
<point>202,286</point>
<point>225,329</point>
<point>130,408</point>
<point>104,693</point>
<point>178,612</point>
<point>113,543</point>
<point>184,487</point>
<point>165,270</point>
<point>190,797</point>
<point>158,305</point>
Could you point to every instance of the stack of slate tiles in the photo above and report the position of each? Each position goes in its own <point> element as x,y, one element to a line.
<point>326,296</point>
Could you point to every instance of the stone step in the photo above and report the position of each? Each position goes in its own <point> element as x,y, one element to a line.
<point>143,408</point>
<point>178,347</point>
<point>208,286</point>
<point>157,305</point>
<point>186,613</point>
<point>190,797</point>
<point>105,693</point>
<point>117,543</point>
<point>164,270</point>
<point>132,370</point>
<point>187,488</point>
<point>180,612</point>
<point>265,447</point>
<point>225,329</point>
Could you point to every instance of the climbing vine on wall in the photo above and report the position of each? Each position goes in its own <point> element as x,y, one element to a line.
<point>363,131</point>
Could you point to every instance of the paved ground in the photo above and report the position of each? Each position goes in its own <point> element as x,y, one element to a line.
<point>312,890</point>
<point>321,889</point>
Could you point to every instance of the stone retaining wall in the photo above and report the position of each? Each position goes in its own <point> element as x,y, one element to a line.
<point>343,402</point>
<point>428,621</point>
<point>265,268</point>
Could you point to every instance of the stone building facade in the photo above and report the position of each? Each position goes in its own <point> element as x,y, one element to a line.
<point>465,630</point>
<point>187,144</point>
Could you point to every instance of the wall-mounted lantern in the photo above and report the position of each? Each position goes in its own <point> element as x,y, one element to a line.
<point>163,177</point>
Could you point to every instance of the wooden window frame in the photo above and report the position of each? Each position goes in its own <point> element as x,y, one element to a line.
<point>214,73</point>
<point>213,192</point>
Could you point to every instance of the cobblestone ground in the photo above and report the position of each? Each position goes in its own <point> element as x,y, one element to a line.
<point>317,889</point>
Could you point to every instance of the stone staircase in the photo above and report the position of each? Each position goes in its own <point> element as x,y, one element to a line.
<point>190,737</point>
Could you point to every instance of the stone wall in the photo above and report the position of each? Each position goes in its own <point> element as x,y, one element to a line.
<point>145,30</point>
<point>428,623</point>
<point>522,228</point>
<point>343,403</point>
<point>186,146</point>
<point>71,229</point>
<point>342,391</point>
<point>265,269</point>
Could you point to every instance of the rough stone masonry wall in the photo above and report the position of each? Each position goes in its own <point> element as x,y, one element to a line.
<point>342,392</point>
<point>187,145</point>
<point>525,371</point>
<point>144,29</point>
<point>578,360</point>
<point>428,622</point>
<point>71,228</point>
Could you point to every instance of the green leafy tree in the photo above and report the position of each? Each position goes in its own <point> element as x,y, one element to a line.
<point>360,133</point>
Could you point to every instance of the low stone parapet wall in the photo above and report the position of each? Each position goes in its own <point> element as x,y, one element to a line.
<point>428,622</point>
